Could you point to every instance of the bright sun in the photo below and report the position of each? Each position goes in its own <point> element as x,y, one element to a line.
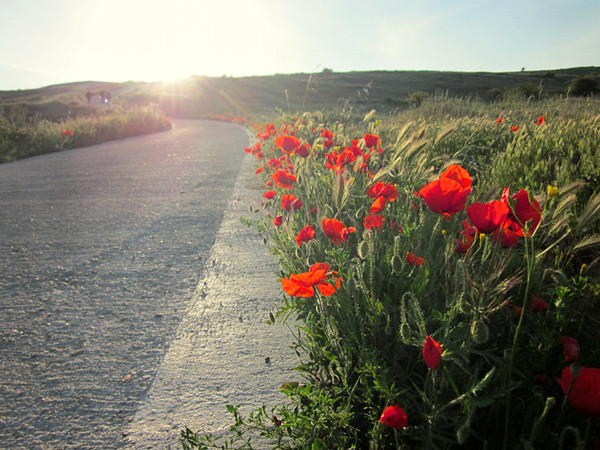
<point>157,40</point>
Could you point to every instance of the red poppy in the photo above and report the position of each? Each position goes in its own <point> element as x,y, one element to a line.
<point>303,150</point>
<point>259,170</point>
<point>287,143</point>
<point>413,259</point>
<point>508,237</point>
<point>570,348</point>
<point>394,417</point>
<point>289,202</point>
<point>306,234</point>
<point>327,134</point>
<point>269,195</point>
<point>371,140</point>
<point>277,221</point>
<point>499,120</point>
<point>274,163</point>
<point>336,230</point>
<point>514,129</point>
<point>536,304</point>
<point>522,211</point>
<point>432,352</point>
<point>337,161</point>
<point>448,195</point>
<point>467,238</point>
<point>488,217</point>
<point>382,193</point>
<point>585,390</point>
<point>541,120</point>
<point>284,179</point>
<point>328,143</point>
<point>373,221</point>
<point>302,284</point>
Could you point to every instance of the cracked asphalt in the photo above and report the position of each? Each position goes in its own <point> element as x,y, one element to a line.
<point>123,315</point>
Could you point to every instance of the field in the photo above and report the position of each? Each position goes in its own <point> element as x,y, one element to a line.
<point>443,262</point>
<point>437,235</point>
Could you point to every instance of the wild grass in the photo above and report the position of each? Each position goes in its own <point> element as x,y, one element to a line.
<point>500,312</point>
<point>23,135</point>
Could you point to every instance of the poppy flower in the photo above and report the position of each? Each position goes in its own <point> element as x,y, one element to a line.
<point>274,164</point>
<point>303,150</point>
<point>382,193</point>
<point>536,304</point>
<point>432,352</point>
<point>570,348</point>
<point>289,202</point>
<point>277,221</point>
<point>488,217</point>
<point>284,179</point>
<point>508,238</point>
<point>394,417</point>
<point>585,391</point>
<point>306,234</point>
<point>259,170</point>
<point>269,195</point>
<point>514,129</point>
<point>541,120</point>
<point>371,140</point>
<point>499,120</point>
<point>327,134</point>
<point>303,284</point>
<point>448,194</point>
<point>336,230</point>
<point>287,143</point>
<point>373,221</point>
<point>522,211</point>
<point>276,421</point>
<point>467,238</point>
<point>413,259</point>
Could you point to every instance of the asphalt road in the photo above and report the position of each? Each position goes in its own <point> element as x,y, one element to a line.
<point>102,249</point>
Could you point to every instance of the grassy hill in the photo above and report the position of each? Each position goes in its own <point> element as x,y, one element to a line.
<point>206,96</point>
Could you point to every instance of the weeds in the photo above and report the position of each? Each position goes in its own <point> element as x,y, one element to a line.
<point>448,290</point>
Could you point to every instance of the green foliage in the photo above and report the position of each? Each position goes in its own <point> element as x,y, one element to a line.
<point>583,86</point>
<point>361,347</point>
<point>415,99</point>
<point>22,136</point>
<point>522,92</point>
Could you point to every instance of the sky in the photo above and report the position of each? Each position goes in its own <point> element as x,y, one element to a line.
<point>44,42</point>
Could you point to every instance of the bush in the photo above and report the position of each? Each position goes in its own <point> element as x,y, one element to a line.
<point>583,86</point>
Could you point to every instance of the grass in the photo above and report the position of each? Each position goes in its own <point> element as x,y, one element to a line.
<point>499,310</point>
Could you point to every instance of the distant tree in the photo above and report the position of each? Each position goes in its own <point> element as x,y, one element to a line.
<point>327,70</point>
<point>528,91</point>
<point>583,86</point>
<point>415,99</point>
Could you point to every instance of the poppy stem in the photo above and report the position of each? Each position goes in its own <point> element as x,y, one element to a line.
<point>529,255</point>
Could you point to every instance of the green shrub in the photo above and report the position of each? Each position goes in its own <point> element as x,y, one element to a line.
<point>583,86</point>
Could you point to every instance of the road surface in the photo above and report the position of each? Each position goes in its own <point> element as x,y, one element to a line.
<point>115,289</point>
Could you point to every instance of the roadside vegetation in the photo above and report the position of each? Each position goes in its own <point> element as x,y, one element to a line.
<point>443,264</point>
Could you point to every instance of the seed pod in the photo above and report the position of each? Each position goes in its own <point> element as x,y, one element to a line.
<point>405,332</point>
<point>480,332</point>
<point>363,249</point>
<point>396,263</point>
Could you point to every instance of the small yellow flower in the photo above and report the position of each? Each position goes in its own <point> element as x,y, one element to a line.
<point>552,191</point>
<point>481,236</point>
<point>444,232</point>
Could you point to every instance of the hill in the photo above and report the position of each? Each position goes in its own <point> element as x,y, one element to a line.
<point>206,96</point>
